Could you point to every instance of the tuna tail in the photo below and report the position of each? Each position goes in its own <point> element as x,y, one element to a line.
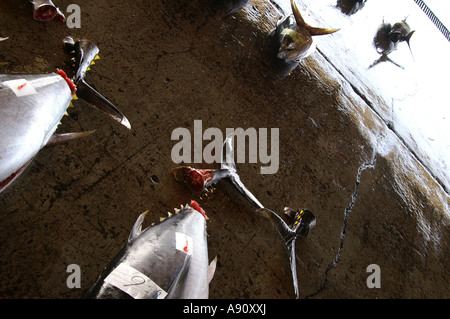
<point>303,221</point>
<point>85,52</point>
<point>198,180</point>
<point>385,58</point>
<point>301,22</point>
<point>228,165</point>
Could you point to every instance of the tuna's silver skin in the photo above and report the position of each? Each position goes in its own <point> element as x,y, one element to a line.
<point>32,105</point>
<point>28,122</point>
<point>154,254</point>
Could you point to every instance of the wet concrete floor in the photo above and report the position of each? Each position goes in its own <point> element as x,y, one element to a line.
<point>166,64</point>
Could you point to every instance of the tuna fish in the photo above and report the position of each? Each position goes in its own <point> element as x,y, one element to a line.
<point>199,180</point>
<point>45,10</point>
<point>32,105</point>
<point>387,39</point>
<point>293,41</point>
<point>168,260</point>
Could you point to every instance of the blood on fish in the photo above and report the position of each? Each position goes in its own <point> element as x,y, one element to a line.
<point>21,86</point>
<point>72,86</point>
<point>196,206</point>
<point>186,247</point>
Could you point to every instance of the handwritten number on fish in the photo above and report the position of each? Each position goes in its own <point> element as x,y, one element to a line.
<point>137,280</point>
<point>156,294</point>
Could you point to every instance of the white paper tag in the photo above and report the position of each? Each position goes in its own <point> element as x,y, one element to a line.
<point>21,87</point>
<point>184,243</point>
<point>134,283</point>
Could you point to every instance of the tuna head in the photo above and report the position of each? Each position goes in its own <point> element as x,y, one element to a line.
<point>32,106</point>
<point>45,10</point>
<point>168,260</point>
<point>295,36</point>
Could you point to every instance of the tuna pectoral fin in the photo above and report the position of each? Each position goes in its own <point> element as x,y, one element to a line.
<point>91,96</point>
<point>65,137</point>
<point>3,39</point>
<point>212,269</point>
<point>289,237</point>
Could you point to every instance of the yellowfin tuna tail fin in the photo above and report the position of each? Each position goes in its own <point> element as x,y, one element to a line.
<point>321,31</point>
<point>297,15</point>
<point>303,221</point>
<point>229,165</point>
<point>301,22</point>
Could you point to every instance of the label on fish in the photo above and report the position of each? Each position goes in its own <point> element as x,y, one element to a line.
<point>134,283</point>
<point>184,243</point>
<point>21,87</point>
